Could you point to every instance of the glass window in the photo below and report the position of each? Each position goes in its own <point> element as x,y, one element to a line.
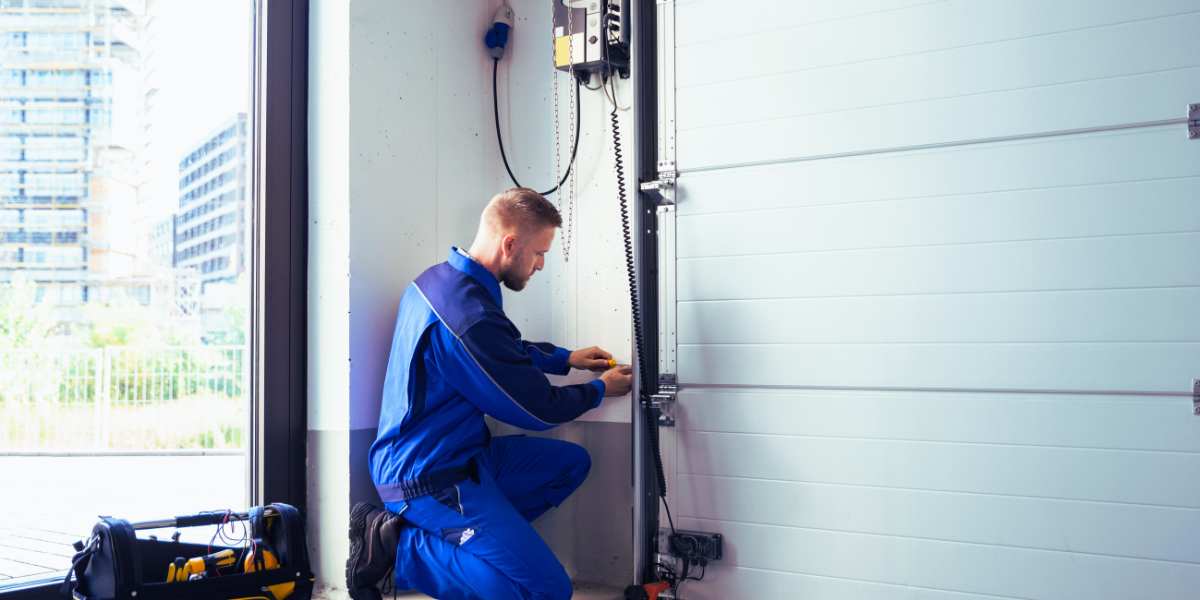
<point>123,361</point>
<point>55,149</point>
<point>10,148</point>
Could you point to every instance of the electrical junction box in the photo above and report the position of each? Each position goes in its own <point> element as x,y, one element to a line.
<point>591,36</point>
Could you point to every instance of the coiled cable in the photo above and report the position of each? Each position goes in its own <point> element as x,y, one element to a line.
<point>634,299</point>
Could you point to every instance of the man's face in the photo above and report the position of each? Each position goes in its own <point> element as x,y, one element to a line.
<point>524,256</point>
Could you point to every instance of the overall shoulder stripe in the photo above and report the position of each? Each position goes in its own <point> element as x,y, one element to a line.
<point>463,345</point>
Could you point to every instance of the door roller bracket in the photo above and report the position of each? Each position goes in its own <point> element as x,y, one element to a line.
<point>663,400</point>
<point>662,189</point>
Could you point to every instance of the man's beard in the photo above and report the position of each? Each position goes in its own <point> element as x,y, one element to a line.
<point>513,282</point>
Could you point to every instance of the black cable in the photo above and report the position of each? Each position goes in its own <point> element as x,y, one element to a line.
<point>631,273</point>
<point>500,139</point>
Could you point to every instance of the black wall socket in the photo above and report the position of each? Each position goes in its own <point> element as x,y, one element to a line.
<point>699,547</point>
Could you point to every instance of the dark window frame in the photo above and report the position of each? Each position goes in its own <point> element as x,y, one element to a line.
<point>280,157</point>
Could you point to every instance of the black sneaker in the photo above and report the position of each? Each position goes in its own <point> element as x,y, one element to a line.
<point>374,533</point>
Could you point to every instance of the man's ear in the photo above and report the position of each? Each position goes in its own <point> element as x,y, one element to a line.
<point>509,244</point>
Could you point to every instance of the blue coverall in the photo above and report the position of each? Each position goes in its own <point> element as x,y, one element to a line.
<point>469,498</point>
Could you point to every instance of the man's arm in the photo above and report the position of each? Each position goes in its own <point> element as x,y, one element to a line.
<point>489,365</point>
<point>558,361</point>
<point>548,357</point>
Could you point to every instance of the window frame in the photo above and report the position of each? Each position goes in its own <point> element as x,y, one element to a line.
<point>280,288</point>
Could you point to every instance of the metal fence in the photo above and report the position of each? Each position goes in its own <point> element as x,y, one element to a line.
<point>123,398</point>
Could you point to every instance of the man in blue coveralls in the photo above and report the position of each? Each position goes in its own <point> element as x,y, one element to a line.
<point>459,502</point>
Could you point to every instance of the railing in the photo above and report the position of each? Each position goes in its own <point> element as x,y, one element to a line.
<point>123,398</point>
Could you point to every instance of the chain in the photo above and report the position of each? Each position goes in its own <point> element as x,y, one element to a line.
<point>557,145</point>
<point>574,112</point>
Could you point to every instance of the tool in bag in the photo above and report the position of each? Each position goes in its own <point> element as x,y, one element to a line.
<point>114,564</point>
<point>183,569</point>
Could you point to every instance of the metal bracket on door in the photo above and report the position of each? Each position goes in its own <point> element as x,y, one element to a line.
<point>663,401</point>
<point>1193,121</point>
<point>663,188</point>
<point>1196,396</point>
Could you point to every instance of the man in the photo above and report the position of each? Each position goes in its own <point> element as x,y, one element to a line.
<point>459,502</point>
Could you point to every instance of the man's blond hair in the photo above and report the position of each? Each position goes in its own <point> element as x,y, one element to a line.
<point>521,209</point>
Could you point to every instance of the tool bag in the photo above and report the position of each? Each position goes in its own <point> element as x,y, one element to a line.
<point>114,564</point>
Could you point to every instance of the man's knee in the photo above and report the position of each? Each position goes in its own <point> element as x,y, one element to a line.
<point>562,588</point>
<point>557,586</point>
<point>550,582</point>
<point>579,462</point>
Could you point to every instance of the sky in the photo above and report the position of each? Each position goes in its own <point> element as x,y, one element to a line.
<point>204,63</point>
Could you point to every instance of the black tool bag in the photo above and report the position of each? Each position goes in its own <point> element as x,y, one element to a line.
<point>115,565</point>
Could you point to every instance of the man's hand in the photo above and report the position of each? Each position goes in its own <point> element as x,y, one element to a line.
<point>617,381</point>
<point>591,359</point>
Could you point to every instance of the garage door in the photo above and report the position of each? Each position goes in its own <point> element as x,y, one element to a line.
<point>938,296</point>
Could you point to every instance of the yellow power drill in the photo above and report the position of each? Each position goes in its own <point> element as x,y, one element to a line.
<point>184,569</point>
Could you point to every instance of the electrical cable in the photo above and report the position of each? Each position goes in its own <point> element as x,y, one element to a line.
<point>612,96</point>
<point>500,138</point>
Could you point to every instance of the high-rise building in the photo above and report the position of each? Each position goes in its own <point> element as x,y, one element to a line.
<point>58,62</point>
<point>211,221</point>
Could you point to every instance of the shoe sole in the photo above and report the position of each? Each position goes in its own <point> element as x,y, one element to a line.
<point>358,535</point>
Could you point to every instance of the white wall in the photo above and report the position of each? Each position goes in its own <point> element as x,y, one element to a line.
<point>401,162</point>
<point>328,276</point>
<point>402,159</point>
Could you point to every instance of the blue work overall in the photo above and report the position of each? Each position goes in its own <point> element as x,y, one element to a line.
<point>468,497</point>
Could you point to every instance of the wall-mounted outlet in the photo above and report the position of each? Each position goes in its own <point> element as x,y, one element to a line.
<point>699,547</point>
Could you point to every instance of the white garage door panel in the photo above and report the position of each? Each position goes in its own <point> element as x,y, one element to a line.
<point>937,279</point>
<point>1035,523</point>
<point>1002,571</point>
<point>772,37</point>
<point>1041,472</point>
<point>711,20</point>
<point>1157,260</point>
<point>1158,367</point>
<point>1057,164</point>
<point>1091,316</point>
<point>1080,421</point>
<point>1142,207</point>
<point>1080,56</point>
<point>732,582</point>
<point>1101,103</point>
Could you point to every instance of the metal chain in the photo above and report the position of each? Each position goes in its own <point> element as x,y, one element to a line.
<point>557,144</point>
<point>574,112</point>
